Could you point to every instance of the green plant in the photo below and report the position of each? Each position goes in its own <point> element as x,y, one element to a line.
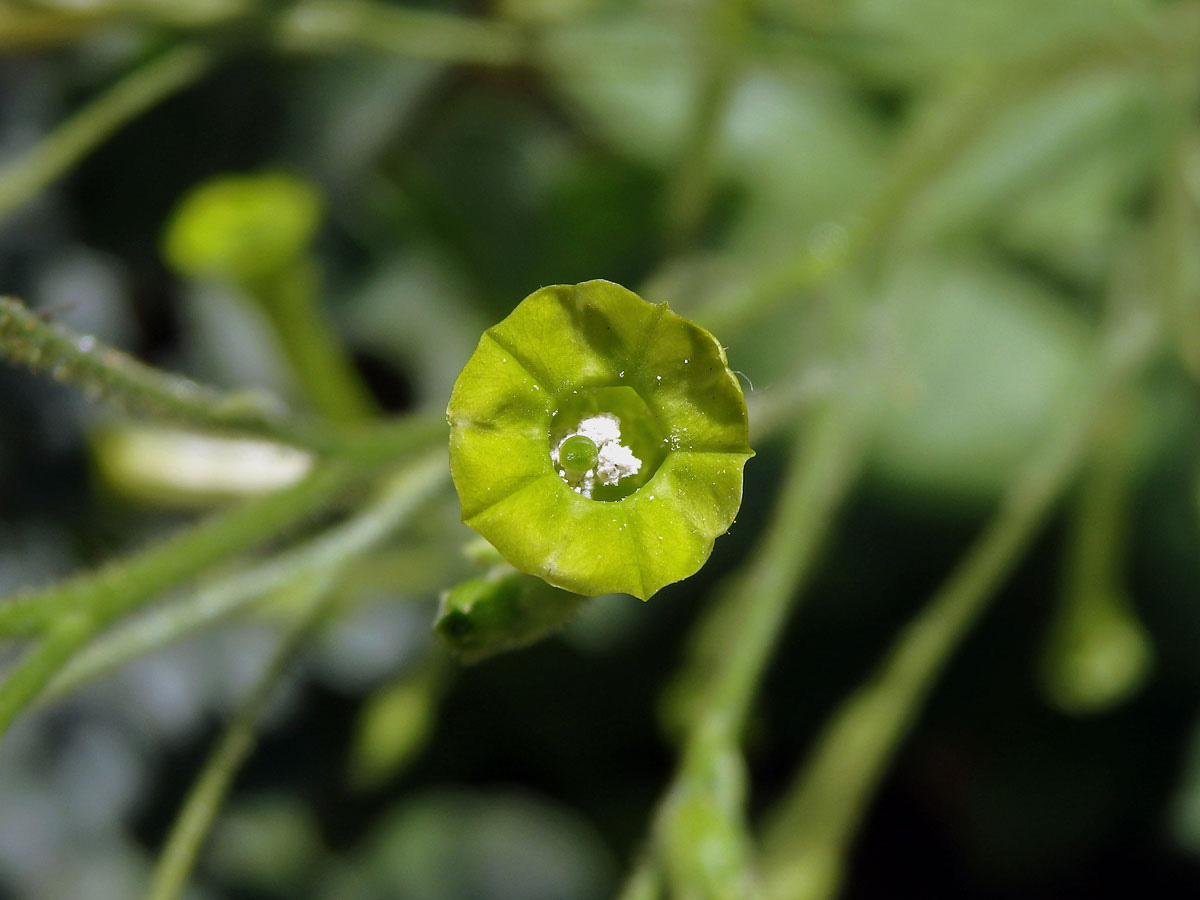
<point>958,267</point>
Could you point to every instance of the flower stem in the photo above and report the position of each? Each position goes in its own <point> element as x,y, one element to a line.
<point>317,357</point>
<point>195,819</point>
<point>807,838</point>
<point>734,644</point>
<point>79,135</point>
<point>70,614</point>
<point>396,504</point>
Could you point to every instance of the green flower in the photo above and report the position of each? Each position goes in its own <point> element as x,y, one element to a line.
<point>242,228</point>
<point>597,440</point>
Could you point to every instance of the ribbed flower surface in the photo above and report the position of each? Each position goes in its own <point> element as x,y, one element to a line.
<point>649,388</point>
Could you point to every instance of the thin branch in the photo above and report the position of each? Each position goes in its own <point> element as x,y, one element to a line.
<point>413,33</point>
<point>106,374</point>
<point>108,592</point>
<point>159,628</point>
<point>936,138</point>
<point>690,186</point>
<point>807,838</point>
<point>734,646</point>
<point>204,801</point>
<point>71,613</point>
<point>84,131</point>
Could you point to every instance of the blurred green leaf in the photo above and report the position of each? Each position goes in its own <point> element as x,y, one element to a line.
<point>988,358</point>
<point>393,727</point>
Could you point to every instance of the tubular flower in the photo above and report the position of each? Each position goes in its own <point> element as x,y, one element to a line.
<point>597,440</point>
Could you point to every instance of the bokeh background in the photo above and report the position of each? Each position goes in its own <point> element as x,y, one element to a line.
<point>772,168</point>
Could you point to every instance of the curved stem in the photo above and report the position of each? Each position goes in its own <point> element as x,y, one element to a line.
<point>734,644</point>
<point>79,135</point>
<point>807,838</point>
<point>159,628</point>
<point>318,359</point>
<point>69,615</point>
<point>195,819</point>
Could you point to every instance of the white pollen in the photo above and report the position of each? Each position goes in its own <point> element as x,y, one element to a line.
<point>614,460</point>
<point>602,428</point>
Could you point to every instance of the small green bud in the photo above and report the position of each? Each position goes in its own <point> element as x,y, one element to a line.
<point>484,616</point>
<point>242,228</point>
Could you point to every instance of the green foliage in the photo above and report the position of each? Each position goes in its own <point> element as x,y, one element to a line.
<point>951,244</point>
<point>652,389</point>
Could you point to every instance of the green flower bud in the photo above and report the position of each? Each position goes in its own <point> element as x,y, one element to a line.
<point>242,228</point>
<point>597,440</point>
<point>500,612</point>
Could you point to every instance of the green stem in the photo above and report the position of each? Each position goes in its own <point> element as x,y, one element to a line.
<point>70,614</point>
<point>643,883</point>
<point>807,838</point>
<point>704,803</point>
<point>317,357</point>
<point>24,29</point>
<point>104,373</point>
<point>158,628</point>
<point>416,34</point>
<point>106,594</point>
<point>690,187</point>
<point>941,131</point>
<point>824,467</point>
<point>108,375</point>
<point>1095,651</point>
<point>79,135</point>
<point>199,811</point>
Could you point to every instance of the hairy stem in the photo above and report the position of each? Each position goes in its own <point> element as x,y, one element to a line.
<point>79,135</point>
<point>108,375</point>
<point>68,615</point>
<point>158,628</point>
<point>104,373</point>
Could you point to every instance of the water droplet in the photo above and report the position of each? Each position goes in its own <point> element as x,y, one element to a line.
<point>86,343</point>
<point>686,361</point>
<point>658,378</point>
<point>621,374</point>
